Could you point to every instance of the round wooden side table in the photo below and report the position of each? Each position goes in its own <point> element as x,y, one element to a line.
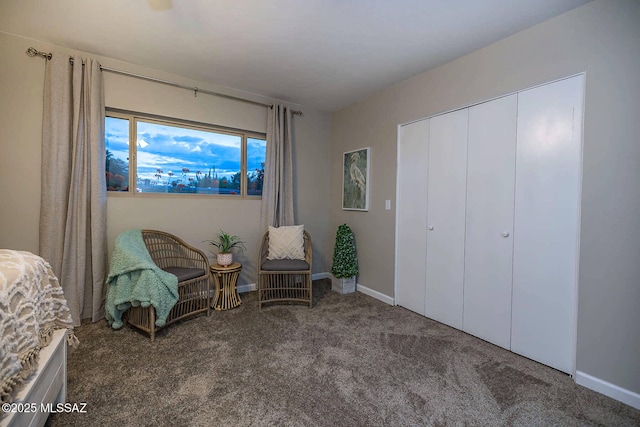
<point>225,280</point>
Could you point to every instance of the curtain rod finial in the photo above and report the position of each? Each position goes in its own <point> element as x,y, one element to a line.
<point>35,52</point>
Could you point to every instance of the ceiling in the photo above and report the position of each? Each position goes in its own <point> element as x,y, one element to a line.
<point>324,54</point>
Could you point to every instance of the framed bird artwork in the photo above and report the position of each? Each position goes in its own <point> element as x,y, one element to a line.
<point>355,180</point>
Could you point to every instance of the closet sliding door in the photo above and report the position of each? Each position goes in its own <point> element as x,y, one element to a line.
<point>547,204</point>
<point>446,216</point>
<point>411,228</point>
<point>489,226</point>
<point>491,247</point>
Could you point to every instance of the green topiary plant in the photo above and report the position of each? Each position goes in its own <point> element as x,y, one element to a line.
<point>345,259</point>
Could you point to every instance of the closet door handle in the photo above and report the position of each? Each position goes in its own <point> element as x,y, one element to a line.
<point>505,234</point>
<point>430,227</point>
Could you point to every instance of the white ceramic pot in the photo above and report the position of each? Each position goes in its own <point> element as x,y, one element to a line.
<point>225,259</point>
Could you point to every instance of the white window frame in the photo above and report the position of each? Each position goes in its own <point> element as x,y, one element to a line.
<point>133,173</point>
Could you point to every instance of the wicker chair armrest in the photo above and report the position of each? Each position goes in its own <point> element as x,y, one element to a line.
<point>168,250</point>
<point>264,249</point>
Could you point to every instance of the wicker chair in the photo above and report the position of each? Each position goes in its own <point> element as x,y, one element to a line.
<point>190,265</point>
<point>284,280</point>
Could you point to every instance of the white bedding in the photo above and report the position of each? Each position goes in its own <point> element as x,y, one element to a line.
<point>32,306</point>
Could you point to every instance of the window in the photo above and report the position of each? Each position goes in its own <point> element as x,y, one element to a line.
<point>117,141</point>
<point>256,151</point>
<point>180,158</point>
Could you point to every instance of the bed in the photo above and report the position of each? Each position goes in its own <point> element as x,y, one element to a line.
<point>35,328</point>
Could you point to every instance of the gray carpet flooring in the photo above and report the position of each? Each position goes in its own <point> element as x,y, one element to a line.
<point>351,360</point>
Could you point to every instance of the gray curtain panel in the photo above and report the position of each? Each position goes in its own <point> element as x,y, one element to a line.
<point>73,200</point>
<point>277,191</point>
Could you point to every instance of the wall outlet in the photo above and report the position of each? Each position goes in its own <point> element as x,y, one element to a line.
<point>387,205</point>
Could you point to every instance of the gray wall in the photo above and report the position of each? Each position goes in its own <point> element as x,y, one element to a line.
<point>195,218</point>
<point>601,38</point>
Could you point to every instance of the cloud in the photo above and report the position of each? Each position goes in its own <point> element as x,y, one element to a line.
<point>173,148</point>
<point>186,138</point>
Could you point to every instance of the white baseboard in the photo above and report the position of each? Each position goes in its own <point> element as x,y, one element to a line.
<point>375,294</point>
<point>249,287</point>
<point>615,392</point>
<point>319,276</point>
<point>359,287</point>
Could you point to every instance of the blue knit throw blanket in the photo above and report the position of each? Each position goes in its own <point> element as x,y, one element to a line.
<point>135,280</point>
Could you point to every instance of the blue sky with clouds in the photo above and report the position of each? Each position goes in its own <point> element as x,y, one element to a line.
<point>172,148</point>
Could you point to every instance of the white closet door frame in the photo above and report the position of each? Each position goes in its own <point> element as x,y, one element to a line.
<point>411,218</point>
<point>547,223</point>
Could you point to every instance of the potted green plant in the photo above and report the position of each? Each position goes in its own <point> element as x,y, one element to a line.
<point>226,243</point>
<point>345,261</point>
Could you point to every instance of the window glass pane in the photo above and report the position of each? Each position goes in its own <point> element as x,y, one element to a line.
<point>173,159</point>
<point>117,143</point>
<point>256,155</point>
